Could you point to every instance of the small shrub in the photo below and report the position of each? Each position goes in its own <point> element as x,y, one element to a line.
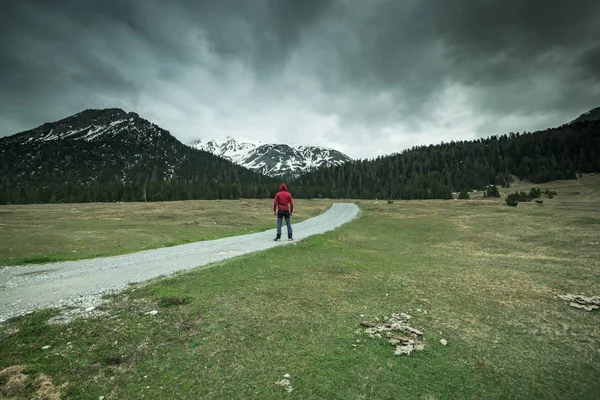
<point>522,196</point>
<point>491,191</point>
<point>513,199</point>
<point>534,193</point>
<point>464,195</point>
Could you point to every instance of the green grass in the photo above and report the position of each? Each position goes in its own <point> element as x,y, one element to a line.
<point>34,234</point>
<point>486,274</point>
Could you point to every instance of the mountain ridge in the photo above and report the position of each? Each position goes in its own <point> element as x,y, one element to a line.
<point>273,159</point>
<point>63,128</point>
<point>591,115</point>
<point>112,155</point>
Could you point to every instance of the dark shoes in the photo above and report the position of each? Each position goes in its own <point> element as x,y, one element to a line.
<point>290,238</point>
<point>276,239</point>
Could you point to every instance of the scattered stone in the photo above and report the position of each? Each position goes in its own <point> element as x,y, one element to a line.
<point>81,307</point>
<point>404,349</point>
<point>153,312</point>
<point>286,375</point>
<point>443,342</point>
<point>584,307</point>
<point>581,302</point>
<point>398,322</point>
<point>403,339</point>
<point>46,347</point>
<point>410,329</point>
<point>286,384</point>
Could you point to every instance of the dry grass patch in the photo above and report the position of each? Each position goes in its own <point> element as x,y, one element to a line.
<point>12,380</point>
<point>538,254</point>
<point>518,290</point>
<point>15,384</point>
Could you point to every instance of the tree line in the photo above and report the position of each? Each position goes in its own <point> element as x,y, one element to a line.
<point>435,171</point>
<point>116,170</point>
<point>122,170</point>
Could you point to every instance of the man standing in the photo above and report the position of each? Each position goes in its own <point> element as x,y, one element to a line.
<point>283,206</point>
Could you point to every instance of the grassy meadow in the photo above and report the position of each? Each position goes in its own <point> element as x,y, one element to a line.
<point>33,234</point>
<point>477,273</point>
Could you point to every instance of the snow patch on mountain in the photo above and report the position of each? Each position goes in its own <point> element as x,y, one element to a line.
<point>90,125</point>
<point>273,159</point>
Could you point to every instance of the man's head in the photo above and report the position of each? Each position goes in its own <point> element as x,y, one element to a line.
<point>283,187</point>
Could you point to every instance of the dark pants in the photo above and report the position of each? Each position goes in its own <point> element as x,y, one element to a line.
<point>281,214</point>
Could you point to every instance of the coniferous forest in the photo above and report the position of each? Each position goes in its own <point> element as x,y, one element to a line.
<point>71,171</point>
<point>79,171</point>
<point>434,172</point>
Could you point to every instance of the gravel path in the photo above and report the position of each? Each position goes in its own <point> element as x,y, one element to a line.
<point>82,283</point>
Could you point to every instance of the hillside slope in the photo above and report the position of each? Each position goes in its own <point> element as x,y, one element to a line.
<point>111,155</point>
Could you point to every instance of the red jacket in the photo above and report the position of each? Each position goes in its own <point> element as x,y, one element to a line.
<point>283,198</point>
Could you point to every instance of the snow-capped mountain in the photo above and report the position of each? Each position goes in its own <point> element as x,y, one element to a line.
<point>277,160</point>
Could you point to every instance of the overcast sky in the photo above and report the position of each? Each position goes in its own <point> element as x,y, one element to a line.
<point>364,77</point>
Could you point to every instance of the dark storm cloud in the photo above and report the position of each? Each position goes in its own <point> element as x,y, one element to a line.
<point>365,73</point>
<point>516,42</point>
<point>414,48</point>
<point>50,67</point>
<point>89,51</point>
